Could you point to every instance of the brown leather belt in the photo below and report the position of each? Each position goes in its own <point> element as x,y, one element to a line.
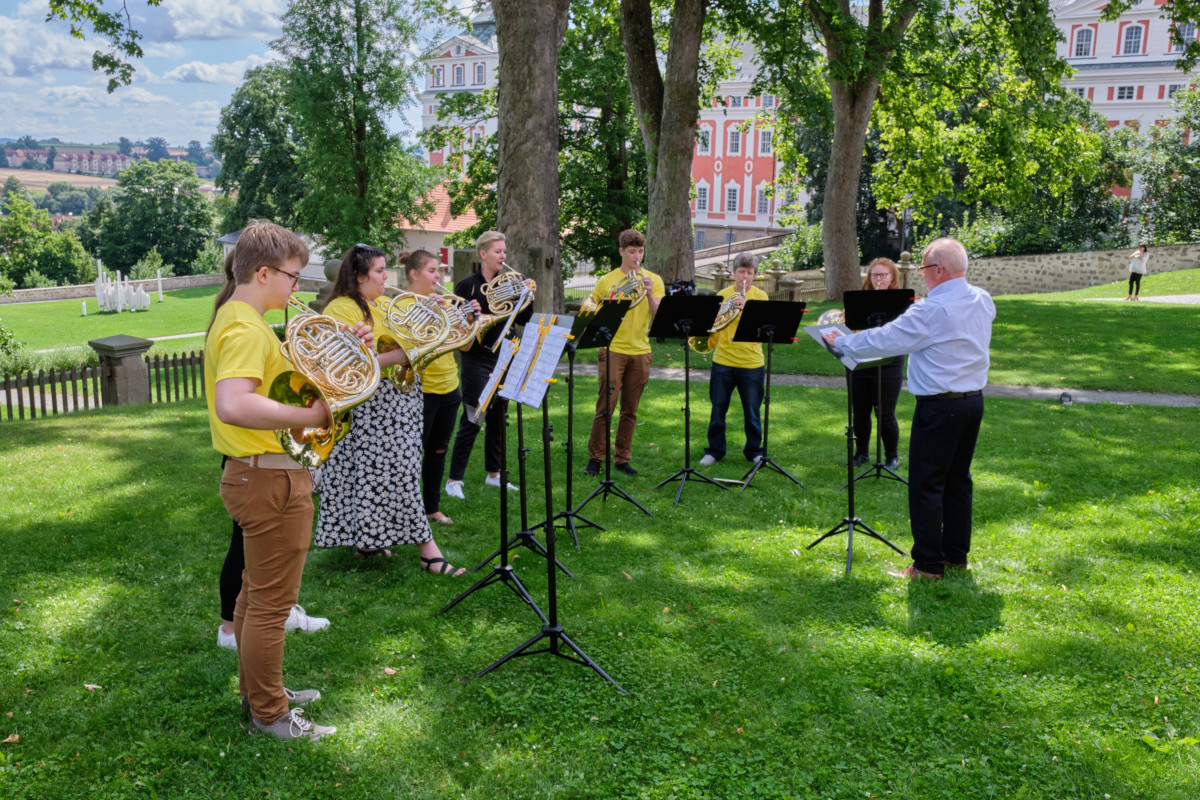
<point>269,461</point>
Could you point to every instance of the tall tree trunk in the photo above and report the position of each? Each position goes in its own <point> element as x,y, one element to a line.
<point>839,229</point>
<point>667,109</point>
<point>530,34</point>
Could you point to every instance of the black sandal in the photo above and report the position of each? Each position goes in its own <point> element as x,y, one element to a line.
<point>378,551</point>
<point>446,567</point>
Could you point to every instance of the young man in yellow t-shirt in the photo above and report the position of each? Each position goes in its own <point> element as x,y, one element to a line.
<point>264,491</point>
<point>628,355</point>
<point>736,365</point>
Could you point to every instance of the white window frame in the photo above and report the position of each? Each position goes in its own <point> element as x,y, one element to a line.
<point>1091,42</point>
<point>768,101</point>
<point>735,101</point>
<point>1079,91</point>
<point>1126,92</point>
<point>762,203</point>
<point>480,74</point>
<point>732,199</point>
<point>733,142</point>
<point>459,75</point>
<point>704,141</point>
<point>764,143</point>
<point>698,244</point>
<point>439,76</point>
<point>702,198</point>
<point>1174,88</point>
<point>1186,33</point>
<point>1127,38</point>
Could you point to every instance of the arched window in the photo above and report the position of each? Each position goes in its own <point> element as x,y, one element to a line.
<point>1132,44</point>
<point>1083,42</point>
<point>458,75</point>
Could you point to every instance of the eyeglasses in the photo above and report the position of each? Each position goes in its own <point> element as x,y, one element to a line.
<point>294,276</point>
<point>878,276</point>
<point>922,269</point>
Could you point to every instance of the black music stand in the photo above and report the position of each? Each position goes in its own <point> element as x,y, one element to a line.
<point>526,537</point>
<point>768,321</point>
<point>599,332</point>
<point>681,316</point>
<point>581,331</point>
<point>873,308</point>
<point>502,572</point>
<point>533,393</point>
<point>850,521</point>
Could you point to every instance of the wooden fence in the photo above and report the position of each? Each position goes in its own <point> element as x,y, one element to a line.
<point>55,392</point>
<point>60,391</point>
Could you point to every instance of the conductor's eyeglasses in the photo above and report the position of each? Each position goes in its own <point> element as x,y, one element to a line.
<point>921,269</point>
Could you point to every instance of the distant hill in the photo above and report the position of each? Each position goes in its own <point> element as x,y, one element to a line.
<point>35,181</point>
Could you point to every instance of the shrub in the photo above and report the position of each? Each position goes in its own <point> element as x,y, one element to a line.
<point>803,249</point>
<point>36,280</point>
<point>20,359</point>
<point>149,266</point>
<point>210,259</point>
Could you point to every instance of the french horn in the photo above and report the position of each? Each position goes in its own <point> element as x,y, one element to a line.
<point>833,316</point>
<point>727,314</point>
<point>504,297</point>
<point>631,287</point>
<point>421,324</point>
<point>331,364</point>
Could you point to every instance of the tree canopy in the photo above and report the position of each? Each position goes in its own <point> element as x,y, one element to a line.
<point>114,27</point>
<point>349,70</point>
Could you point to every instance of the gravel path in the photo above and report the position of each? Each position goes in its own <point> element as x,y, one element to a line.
<point>993,390</point>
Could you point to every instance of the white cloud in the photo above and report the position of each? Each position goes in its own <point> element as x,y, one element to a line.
<point>27,48</point>
<point>200,72</point>
<point>224,19</point>
<point>167,50</point>
<point>67,97</point>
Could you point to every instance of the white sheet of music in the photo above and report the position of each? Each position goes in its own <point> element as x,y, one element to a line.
<point>504,357</point>
<point>533,368</point>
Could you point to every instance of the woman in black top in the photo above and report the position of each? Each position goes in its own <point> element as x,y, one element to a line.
<point>881,274</point>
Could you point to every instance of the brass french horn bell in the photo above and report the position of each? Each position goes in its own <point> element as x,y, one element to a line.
<point>421,324</point>
<point>331,364</point>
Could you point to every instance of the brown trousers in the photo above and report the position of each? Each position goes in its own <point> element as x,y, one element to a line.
<point>275,509</point>
<point>628,376</point>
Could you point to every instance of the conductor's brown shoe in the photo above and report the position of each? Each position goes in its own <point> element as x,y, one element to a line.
<point>911,571</point>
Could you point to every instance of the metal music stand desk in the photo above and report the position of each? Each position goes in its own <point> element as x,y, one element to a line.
<point>769,321</point>
<point>502,572</point>
<point>599,332</point>
<point>681,316</point>
<point>532,392</point>
<point>850,521</point>
<point>874,308</point>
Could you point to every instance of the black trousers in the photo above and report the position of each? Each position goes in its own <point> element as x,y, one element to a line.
<point>231,574</point>
<point>944,432</point>
<point>475,372</point>
<point>866,395</point>
<point>1135,283</point>
<point>440,410</point>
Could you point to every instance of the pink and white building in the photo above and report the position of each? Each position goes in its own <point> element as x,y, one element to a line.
<point>467,62</point>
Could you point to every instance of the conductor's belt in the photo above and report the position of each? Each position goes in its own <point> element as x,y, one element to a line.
<point>949,395</point>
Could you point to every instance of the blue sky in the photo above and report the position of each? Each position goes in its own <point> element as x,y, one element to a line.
<point>196,54</point>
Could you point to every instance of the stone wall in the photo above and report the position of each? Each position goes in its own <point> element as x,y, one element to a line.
<point>88,291</point>
<point>1057,272</point>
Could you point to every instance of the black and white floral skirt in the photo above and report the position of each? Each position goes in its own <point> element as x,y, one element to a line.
<point>371,482</point>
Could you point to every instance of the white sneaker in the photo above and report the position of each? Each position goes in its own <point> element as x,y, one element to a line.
<point>494,480</point>
<point>293,725</point>
<point>298,620</point>
<point>315,472</point>
<point>226,640</point>
<point>454,489</point>
<point>707,461</point>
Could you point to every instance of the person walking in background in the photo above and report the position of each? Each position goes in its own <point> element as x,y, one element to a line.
<point>948,335</point>
<point>1137,268</point>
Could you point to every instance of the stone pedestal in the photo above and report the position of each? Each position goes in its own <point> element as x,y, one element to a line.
<point>907,270</point>
<point>721,278</point>
<point>125,378</point>
<point>773,276</point>
<point>789,286</point>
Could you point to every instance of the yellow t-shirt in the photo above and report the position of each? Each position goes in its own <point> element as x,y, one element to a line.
<point>631,338</point>
<point>344,309</point>
<point>744,355</point>
<point>441,376</point>
<point>240,344</point>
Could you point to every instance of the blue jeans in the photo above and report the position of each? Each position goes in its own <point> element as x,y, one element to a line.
<point>749,384</point>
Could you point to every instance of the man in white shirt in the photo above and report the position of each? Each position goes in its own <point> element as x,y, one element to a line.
<point>947,336</point>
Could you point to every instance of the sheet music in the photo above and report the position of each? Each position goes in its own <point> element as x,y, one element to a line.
<point>507,348</point>
<point>533,368</point>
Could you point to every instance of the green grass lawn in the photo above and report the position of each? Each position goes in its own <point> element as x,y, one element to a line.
<point>1062,666</point>
<point>59,324</point>
<point>1185,281</point>
<point>1037,340</point>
